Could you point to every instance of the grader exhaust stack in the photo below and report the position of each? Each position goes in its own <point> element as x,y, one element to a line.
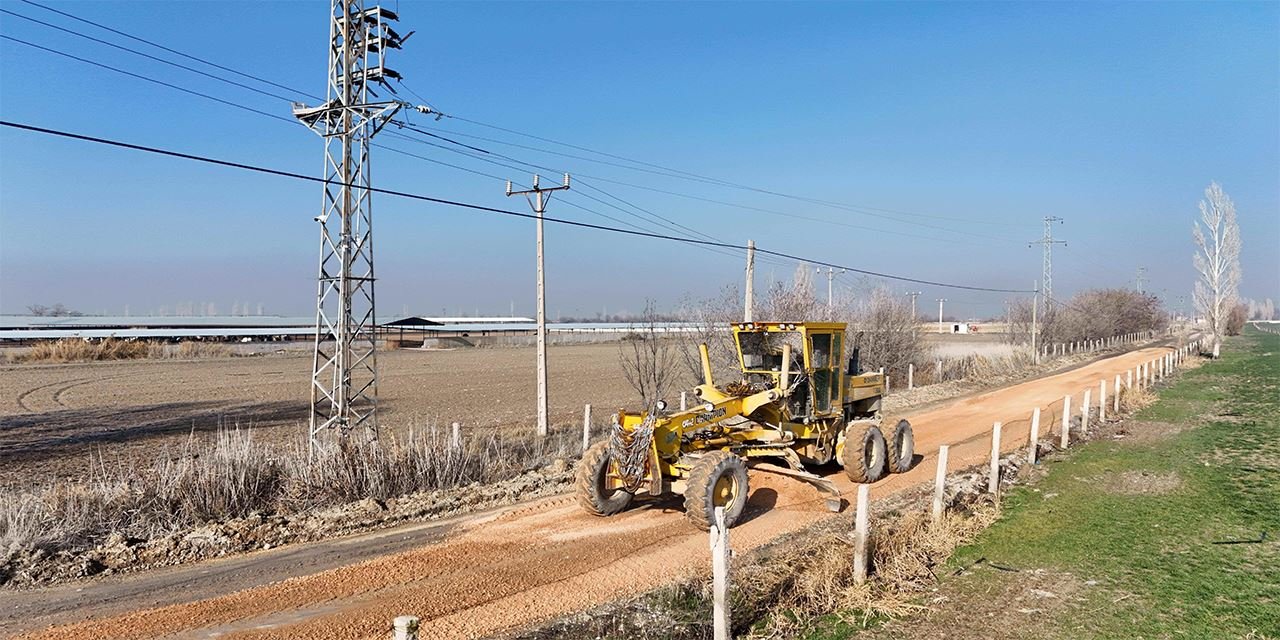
<point>795,405</point>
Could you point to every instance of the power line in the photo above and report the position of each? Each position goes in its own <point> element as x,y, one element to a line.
<point>151,80</point>
<point>149,56</point>
<point>714,201</point>
<point>678,173</point>
<point>476,207</point>
<point>173,51</point>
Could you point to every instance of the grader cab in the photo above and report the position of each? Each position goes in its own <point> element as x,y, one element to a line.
<point>798,403</point>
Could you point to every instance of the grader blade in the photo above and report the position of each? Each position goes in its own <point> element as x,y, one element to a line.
<point>820,483</point>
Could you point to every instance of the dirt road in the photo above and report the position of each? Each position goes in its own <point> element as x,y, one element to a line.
<point>542,559</point>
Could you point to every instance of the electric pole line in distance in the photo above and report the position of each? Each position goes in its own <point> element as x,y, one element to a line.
<point>831,274</point>
<point>538,198</point>
<point>914,294</point>
<point>1047,242</point>
<point>748,306</point>
<point>344,372</point>
<point>940,301</point>
<point>1141,280</point>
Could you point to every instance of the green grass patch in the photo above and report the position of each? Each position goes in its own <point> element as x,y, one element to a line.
<point>1150,542</point>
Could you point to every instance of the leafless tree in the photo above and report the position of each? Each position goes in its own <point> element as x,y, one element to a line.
<point>1217,260</point>
<point>886,333</point>
<point>1236,319</point>
<point>647,358</point>
<point>794,301</point>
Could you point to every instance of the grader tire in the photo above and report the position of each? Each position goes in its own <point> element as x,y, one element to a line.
<point>718,479</point>
<point>864,456</point>
<point>902,448</point>
<point>590,490</point>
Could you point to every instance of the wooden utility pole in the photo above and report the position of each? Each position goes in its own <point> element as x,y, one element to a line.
<point>538,198</point>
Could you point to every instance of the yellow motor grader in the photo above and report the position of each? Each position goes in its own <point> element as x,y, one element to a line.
<point>798,403</point>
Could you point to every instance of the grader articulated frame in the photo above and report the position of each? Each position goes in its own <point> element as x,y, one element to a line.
<point>796,405</point>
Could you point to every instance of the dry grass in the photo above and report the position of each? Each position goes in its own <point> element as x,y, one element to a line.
<point>814,578</point>
<point>80,350</point>
<point>232,476</point>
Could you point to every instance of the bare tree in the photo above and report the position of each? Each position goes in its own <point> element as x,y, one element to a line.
<point>794,302</point>
<point>886,333</point>
<point>647,359</point>
<point>710,319</point>
<point>1217,259</point>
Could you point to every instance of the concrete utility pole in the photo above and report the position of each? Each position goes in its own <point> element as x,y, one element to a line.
<point>1035,304</point>
<point>914,294</point>
<point>831,274</point>
<point>1047,242</point>
<point>344,372</point>
<point>1141,280</point>
<point>940,301</point>
<point>538,198</point>
<point>749,304</point>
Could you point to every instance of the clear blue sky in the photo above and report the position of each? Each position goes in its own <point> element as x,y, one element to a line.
<point>1113,116</point>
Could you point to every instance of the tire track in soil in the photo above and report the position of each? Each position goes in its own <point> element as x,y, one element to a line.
<point>546,559</point>
<point>22,397</point>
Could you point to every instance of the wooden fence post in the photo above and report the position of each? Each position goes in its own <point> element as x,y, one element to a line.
<point>720,576</point>
<point>1085,407</point>
<point>1066,422</point>
<point>1035,435</point>
<point>586,427</point>
<point>940,482</point>
<point>860,534</point>
<point>993,479</point>
<point>405,628</point>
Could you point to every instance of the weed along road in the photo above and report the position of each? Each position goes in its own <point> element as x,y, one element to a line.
<point>542,559</point>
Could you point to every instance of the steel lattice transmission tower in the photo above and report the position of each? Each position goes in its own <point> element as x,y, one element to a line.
<point>1047,242</point>
<point>344,378</point>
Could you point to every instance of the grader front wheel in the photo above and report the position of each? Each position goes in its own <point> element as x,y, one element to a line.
<point>717,479</point>
<point>591,489</point>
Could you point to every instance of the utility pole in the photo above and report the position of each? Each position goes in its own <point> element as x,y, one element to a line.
<point>344,372</point>
<point>749,303</point>
<point>940,301</point>
<point>1047,242</point>
<point>915,319</point>
<point>538,198</point>
<point>831,274</point>
<point>1141,280</point>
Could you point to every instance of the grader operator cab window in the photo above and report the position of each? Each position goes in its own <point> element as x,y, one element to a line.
<point>824,359</point>
<point>762,351</point>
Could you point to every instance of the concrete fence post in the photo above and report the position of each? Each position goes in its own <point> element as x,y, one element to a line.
<point>911,376</point>
<point>886,385</point>
<point>1085,408</point>
<point>993,479</point>
<point>860,534</point>
<point>1128,380</point>
<point>404,628</point>
<point>938,372</point>
<point>586,427</point>
<point>684,400</point>
<point>1115,407</point>
<point>1102,401</point>
<point>940,482</point>
<point>720,554</point>
<point>1066,422</point>
<point>1035,435</point>
<point>455,437</point>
